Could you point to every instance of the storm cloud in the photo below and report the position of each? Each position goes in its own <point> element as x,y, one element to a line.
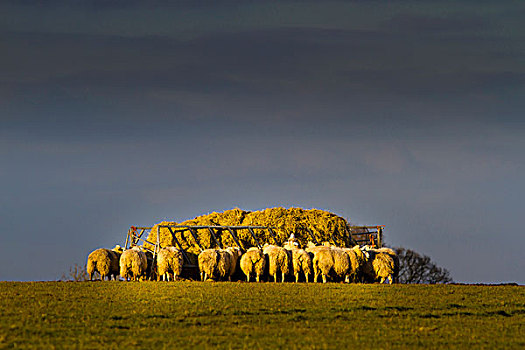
<point>406,114</point>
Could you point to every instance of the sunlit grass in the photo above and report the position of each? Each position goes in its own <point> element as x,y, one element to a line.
<point>266,315</point>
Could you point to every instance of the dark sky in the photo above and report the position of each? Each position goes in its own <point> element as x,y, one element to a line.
<point>402,113</point>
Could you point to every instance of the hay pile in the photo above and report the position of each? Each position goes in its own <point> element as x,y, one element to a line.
<point>324,225</point>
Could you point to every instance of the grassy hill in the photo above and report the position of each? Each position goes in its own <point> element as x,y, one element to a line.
<point>240,315</point>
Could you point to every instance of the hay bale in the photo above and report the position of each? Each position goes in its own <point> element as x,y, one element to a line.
<point>325,226</point>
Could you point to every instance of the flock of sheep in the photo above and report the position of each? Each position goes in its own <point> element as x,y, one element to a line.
<point>357,264</point>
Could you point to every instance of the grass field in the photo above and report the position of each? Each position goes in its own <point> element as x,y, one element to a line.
<point>240,315</point>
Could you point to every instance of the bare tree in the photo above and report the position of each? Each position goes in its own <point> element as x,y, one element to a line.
<point>417,268</point>
<point>76,273</point>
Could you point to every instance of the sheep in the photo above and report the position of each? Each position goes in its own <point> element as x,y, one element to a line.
<point>150,271</point>
<point>169,262</point>
<point>357,260</point>
<point>218,263</point>
<point>301,260</point>
<point>380,265</point>
<point>394,256</point>
<point>253,262</point>
<point>105,262</point>
<point>278,261</point>
<point>234,255</point>
<point>133,264</point>
<point>330,260</point>
<point>313,251</point>
<point>384,267</point>
<point>208,260</point>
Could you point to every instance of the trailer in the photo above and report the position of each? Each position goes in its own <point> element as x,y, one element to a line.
<point>360,235</point>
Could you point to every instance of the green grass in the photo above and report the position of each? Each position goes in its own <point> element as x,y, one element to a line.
<point>240,315</point>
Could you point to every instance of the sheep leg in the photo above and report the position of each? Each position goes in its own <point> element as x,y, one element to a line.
<point>283,277</point>
<point>306,277</point>
<point>324,278</point>
<point>297,277</point>
<point>275,277</point>
<point>382,280</point>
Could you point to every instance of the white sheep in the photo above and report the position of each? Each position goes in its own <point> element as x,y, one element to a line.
<point>253,262</point>
<point>169,262</point>
<point>105,262</point>
<point>150,272</point>
<point>330,260</point>
<point>301,260</point>
<point>208,260</point>
<point>313,250</point>
<point>394,257</point>
<point>379,266</point>
<point>133,264</point>
<point>218,264</point>
<point>234,254</point>
<point>278,261</point>
<point>357,260</point>
<point>227,262</point>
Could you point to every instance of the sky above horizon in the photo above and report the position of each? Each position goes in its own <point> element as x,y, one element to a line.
<point>407,114</point>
